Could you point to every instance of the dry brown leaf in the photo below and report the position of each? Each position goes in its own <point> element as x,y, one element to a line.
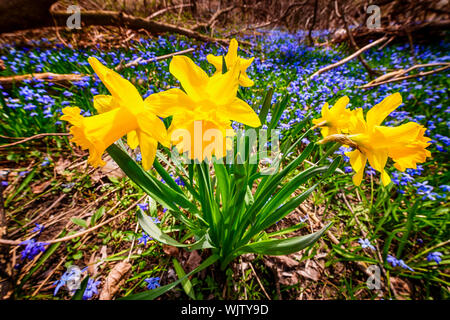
<point>288,278</point>
<point>401,286</point>
<point>193,261</point>
<point>114,280</point>
<point>61,166</point>
<point>287,261</point>
<point>171,250</point>
<point>312,270</point>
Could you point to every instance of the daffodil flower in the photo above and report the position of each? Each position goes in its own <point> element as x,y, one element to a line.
<point>230,60</point>
<point>336,119</point>
<point>123,112</point>
<point>207,104</point>
<point>375,143</point>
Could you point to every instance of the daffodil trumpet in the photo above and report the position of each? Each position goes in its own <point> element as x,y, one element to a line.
<point>405,144</point>
<point>121,113</point>
<point>207,104</point>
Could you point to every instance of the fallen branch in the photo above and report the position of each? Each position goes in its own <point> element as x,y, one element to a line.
<point>398,75</point>
<point>347,59</point>
<point>46,76</point>
<point>113,18</point>
<point>37,136</point>
<point>141,61</point>
<point>353,42</point>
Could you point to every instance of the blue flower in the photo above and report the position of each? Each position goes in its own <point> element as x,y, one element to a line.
<point>396,262</point>
<point>45,162</point>
<point>4,183</point>
<point>392,260</point>
<point>179,181</point>
<point>152,283</point>
<point>435,256</point>
<point>365,243</point>
<point>91,289</point>
<point>143,206</point>
<point>145,237</point>
<point>32,249</point>
<point>38,228</point>
<point>403,265</point>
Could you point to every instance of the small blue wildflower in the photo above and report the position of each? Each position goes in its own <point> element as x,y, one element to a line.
<point>156,220</point>
<point>145,237</point>
<point>32,249</point>
<point>348,169</point>
<point>4,183</point>
<point>403,265</point>
<point>435,256</point>
<point>392,260</point>
<point>139,157</point>
<point>179,181</point>
<point>365,243</point>
<point>38,228</point>
<point>152,283</point>
<point>143,206</point>
<point>91,289</point>
<point>45,162</point>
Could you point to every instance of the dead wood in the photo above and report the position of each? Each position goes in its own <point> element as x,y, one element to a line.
<point>347,59</point>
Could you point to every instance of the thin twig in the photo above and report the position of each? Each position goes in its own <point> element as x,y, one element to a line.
<point>347,59</point>
<point>78,234</point>
<point>37,136</point>
<point>141,61</point>
<point>259,281</point>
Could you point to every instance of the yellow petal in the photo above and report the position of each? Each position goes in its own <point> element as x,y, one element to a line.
<point>245,81</point>
<point>170,102</point>
<point>192,78</point>
<point>98,132</point>
<point>153,127</point>
<point>222,88</point>
<point>105,103</point>
<point>241,112</point>
<point>132,139</point>
<point>358,162</point>
<point>148,147</point>
<point>119,87</point>
<point>231,56</point>
<point>378,159</point>
<point>385,178</point>
<point>340,105</point>
<point>379,112</point>
<point>357,159</point>
<point>216,61</point>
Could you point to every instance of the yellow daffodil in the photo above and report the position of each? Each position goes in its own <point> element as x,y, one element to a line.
<point>122,112</point>
<point>230,60</point>
<point>405,144</point>
<point>207,103</point>
<point>336,119</point>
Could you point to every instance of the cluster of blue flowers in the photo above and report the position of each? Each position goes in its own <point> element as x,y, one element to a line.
<point>393,261</point>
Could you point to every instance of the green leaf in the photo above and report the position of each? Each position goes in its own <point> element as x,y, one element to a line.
<point>150,227</point>
<point>265,106</point>
<point>159,191</point>
<point>79,293</point>
<point>186,284</point>
<point>97,215</point>
<point>152,294</point>
<point>79,222</point>
<point>276,247</point>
